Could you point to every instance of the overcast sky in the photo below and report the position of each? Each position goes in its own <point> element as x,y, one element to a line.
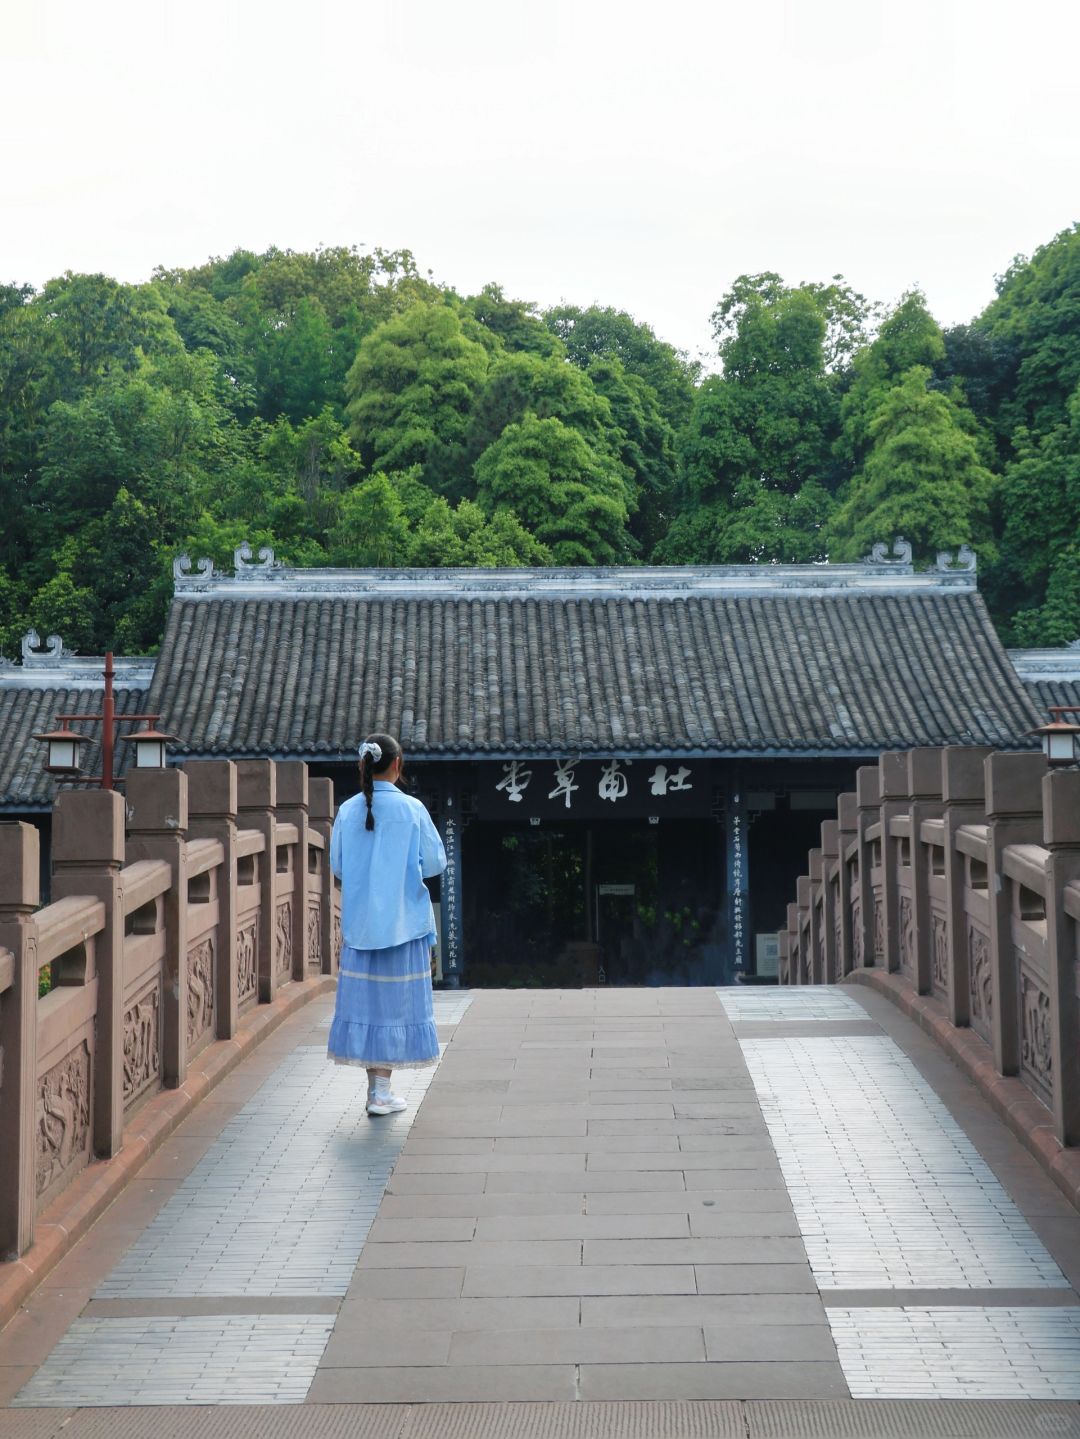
<point>637,155</point>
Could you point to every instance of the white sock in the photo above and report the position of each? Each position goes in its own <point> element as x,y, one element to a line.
<point>382,1086</point>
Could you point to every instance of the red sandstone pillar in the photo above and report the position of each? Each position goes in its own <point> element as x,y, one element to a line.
<point>19,897</point>
<point>88,853</point>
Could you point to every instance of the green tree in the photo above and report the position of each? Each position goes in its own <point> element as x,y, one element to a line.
<point>909,336</point>
<point>570,498</point>
<point>1037,315</point>
<point>600,332</point>
<point>846,315</point>
<point>466,536</point>
<point>922,477</point>
<point>516,324</point>
<point>371,529</point>
<point>412,386</point>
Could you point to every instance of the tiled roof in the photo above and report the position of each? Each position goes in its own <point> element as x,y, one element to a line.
<point>33,694</point>
<point>25,712</point>
<point>762,660</point>
<point>1051,677</point>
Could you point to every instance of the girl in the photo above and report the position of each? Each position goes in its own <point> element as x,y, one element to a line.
<point>383,847</point>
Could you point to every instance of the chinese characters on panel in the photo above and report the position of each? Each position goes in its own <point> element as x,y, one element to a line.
<point>612,785</point>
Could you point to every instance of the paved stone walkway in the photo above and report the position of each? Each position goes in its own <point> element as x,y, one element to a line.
<point>656,1212</point>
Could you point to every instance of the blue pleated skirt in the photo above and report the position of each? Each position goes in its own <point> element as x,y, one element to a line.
<point>383,1016</point>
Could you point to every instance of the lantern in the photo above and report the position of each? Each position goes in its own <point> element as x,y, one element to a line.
<point>63,751</point>
<point>1058,737</point>
<point>149,747</point>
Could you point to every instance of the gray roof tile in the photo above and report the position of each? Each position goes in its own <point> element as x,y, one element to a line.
<point>840,671</point>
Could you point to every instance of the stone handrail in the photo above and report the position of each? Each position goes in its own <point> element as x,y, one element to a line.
<point>950,879</point>
<point>178,907</point>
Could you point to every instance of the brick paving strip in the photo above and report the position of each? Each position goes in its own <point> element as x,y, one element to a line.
<point>587,1233</point>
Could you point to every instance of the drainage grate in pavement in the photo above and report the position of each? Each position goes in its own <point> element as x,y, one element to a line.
<point>805,1002</point>
<point>954,1353</point>
<point>282,1201</point>
<point>240,1359</point>
<point>888,1191</point>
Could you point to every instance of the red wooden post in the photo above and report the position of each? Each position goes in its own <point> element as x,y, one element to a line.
<point>108,711</point>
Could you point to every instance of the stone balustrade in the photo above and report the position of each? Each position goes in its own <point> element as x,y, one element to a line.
<point>950,879</point>
<point>177,907</point>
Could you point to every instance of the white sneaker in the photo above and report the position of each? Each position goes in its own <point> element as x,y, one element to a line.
<point>386,1104</point>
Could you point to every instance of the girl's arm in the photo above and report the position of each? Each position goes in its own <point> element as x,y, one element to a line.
<point>432,853</point>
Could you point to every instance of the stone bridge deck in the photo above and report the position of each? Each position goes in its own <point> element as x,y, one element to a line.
<point>613,1212</point>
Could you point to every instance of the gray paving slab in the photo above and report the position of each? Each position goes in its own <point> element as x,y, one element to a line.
<point>639,1345</point>
<point>749,1308</point>
<point>436,1255</point>
<point>584,1226</point>
<point>455,1315</point>
<point>449,1383</point>
<point>406,1283</point>
<point>642,1279</point>
<point>693,1251</point>
<point>735,1380</point>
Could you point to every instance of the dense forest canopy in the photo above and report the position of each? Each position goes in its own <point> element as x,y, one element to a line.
<point>347,410</point>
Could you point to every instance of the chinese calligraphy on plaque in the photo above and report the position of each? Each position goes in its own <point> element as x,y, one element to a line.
<point>660,782</point>
<point>592,788</point>
<point>564,781</point>
<point>614,784</point>
<point>516,780</point>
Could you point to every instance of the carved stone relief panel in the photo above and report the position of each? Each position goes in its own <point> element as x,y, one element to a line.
<point>879,931</point>
<point>940,958</point>
<point>337,941</point>
<point>200,981</point>
<point>907,934</point>
<point>142,1044</point>
<point>980,982</point>
<point>857,954</point>
<point>838,934</point>
<point>1036,1057</point>
<point>314,937</point>
<point>283,940</point>
<point>63,1131</point>
<point>247,961</point>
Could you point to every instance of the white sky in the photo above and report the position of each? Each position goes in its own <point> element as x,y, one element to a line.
<point>638,155</point>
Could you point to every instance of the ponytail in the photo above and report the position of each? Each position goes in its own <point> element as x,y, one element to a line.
<point>377,754</point>
<point>367,784</point>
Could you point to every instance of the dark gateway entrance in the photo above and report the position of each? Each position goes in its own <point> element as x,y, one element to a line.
<point>595,902</point>
<point>626,872</point>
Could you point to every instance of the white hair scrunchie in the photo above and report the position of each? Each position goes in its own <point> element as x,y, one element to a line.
<point>374,750</point>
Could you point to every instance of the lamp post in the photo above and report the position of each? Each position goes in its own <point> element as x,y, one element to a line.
<point>1059,737</point>
<point>63,743</point>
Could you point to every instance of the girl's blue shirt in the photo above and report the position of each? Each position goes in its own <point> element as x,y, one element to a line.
<point>384,900</point>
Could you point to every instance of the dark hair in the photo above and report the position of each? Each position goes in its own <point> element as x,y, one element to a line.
<point>371,768</point>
